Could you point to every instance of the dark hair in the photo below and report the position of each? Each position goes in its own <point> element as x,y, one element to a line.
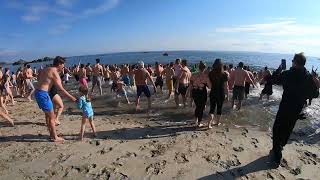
<point>266,68</point>
<point>81,65</point>
<point>224,67</point>
<point>202,66</point>
<point>177,60</point>
<point>6,69</point>
<point>171,64</point>
<point>98,60</point>
<point>299,59</point>
<point>58,61</point>
<point>241,64</point>
<point>184,62</point>
<point>230,66</point>
<point>217,70</point>
<point>245,67</point>
<point>156,63</point>
<point>28,66</point>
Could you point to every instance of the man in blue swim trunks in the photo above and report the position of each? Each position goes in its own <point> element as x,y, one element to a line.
<point>141,77</point>
<point>48,77</point>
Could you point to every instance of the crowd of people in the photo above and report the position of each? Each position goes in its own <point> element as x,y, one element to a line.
<point>197,83</point>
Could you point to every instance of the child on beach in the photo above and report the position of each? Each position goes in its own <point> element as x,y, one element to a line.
<point>87,112</point>
<point>121,92</point>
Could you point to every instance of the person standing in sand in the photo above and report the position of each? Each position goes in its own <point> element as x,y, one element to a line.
<point>168,74</point>
<point>29,83</point>
<point>238,79</point>
<point>85,105</point>
<point>97,72</point>
<point>158,73</point>
<point>141,77</point>
<point>177,70</point>
<point>199,82</point>
<point>182,83</point>
<point>48,77</point>
<point>297,83</point>
<point>83,76</point>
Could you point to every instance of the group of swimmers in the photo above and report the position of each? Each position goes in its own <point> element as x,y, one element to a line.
<point>198,84</point>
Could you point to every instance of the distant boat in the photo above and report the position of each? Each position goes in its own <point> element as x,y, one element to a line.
<point>145,52</point>
<point>165,54</point>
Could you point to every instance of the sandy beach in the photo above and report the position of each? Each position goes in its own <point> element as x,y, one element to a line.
<point>130,145</point>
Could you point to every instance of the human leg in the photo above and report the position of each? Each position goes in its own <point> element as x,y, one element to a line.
<point>83,126</point>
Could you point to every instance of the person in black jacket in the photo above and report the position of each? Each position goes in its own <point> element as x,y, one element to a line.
<point>297,83</point>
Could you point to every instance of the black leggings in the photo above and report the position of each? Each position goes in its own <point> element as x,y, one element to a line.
<point>200,99</point>
<point>215,100</point>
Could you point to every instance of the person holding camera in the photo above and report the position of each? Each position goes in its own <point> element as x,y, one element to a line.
<point>297,83</point>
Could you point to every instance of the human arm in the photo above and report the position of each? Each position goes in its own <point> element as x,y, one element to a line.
<point>57,82</point>
<point>151,80</point>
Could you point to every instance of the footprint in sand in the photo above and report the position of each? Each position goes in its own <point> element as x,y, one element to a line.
<point>213,158</point>
<point>254,142</point>
<point>181,158</point>
<point>105,150</point>
<point>308,157</point>
<point>244,132</point>
<point>156,168</point>
<point>238,149</point>
<point>231,161</point>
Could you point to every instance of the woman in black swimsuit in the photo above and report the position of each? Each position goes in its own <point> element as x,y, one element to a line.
<point>57,102</point>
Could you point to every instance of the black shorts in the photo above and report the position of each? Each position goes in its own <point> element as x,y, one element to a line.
<point>238,93</point>
<point>143,89</point>
<point>159,81</point>
<point>182,89</point>
<point>247,88</point>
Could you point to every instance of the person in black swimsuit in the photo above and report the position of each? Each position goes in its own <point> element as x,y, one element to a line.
<point>57,102</point>
<point>218,79</point>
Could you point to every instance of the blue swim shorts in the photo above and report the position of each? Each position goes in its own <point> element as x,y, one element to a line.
<point>44,101</point>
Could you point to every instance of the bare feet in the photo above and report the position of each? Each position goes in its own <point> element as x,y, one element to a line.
<point>58,123</point>
<point>58,140</point>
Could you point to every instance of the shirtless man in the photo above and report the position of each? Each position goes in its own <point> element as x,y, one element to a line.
<point>177,70</point>
<point>114,75</point>
<point>48,77</point>
<point>141,77</point>
<point>28,81</point>
<point>106,72</point>
<point>168,74</point>
<point>247,84</point>
<point>97,76</point>
<point>83,76</point>
<point>182,83</point>
<point>158,72</point>
<point>89,72</point>
<point>238,79</point>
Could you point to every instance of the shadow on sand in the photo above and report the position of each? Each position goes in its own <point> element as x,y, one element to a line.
<point>259,164</point>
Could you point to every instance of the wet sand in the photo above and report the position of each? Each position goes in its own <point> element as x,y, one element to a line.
<point>161,145</point>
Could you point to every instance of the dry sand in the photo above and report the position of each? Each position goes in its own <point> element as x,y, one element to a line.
<point>162,145</point>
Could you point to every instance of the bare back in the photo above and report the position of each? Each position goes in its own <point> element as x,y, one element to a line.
<point>141,76</point>
<point>240,76</point>
<point>185,75</point>
<point>97,70</point>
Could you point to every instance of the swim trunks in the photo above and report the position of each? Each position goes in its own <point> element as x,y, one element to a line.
<point>97,80</point>
<point>144,89</point>
<point>159,81</point>
<point>43,100</point>
<point>238,93</point>
<point>53,91</point>
<point>182,89</point>
<point>29,84</point>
